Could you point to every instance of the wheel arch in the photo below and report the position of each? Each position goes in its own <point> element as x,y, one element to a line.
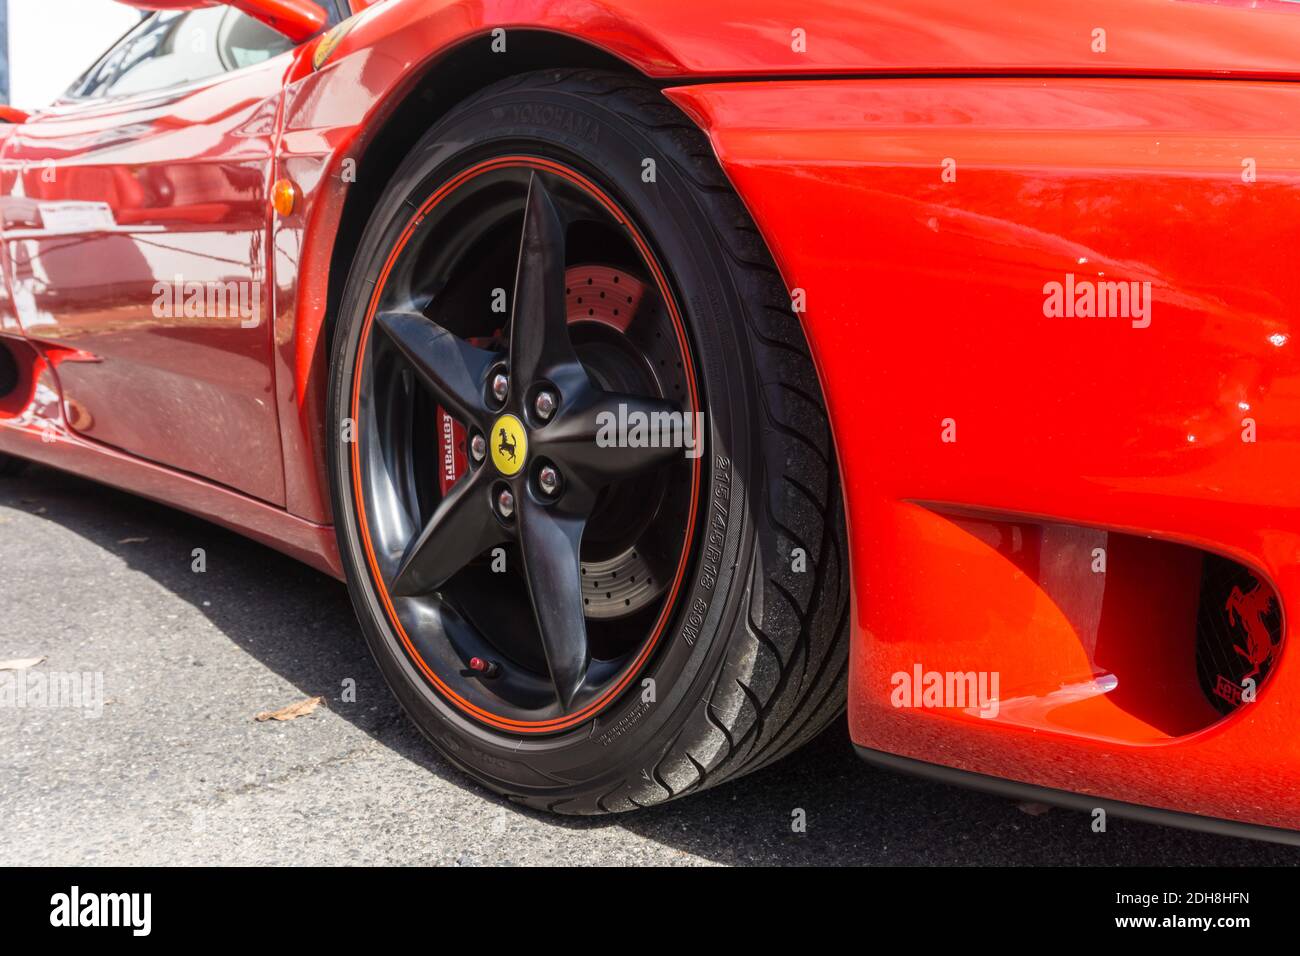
<point>375,137</point>
<point>432,91</point>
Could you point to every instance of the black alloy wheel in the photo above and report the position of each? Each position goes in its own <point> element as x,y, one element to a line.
<point>576,437</point>
<point>529,399</point>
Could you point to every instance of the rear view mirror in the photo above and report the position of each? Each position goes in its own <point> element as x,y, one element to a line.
<point>296,19</point>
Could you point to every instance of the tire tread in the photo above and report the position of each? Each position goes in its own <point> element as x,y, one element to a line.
<point>784,676</point>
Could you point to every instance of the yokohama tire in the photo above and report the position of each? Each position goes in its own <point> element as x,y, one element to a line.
<point>752,662</point>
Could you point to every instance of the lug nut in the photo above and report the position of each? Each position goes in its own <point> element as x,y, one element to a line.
<point>478,447</point>
<point>505,503</point>
<point>544,405</point>
<point>500,385</point>
<point>549,479</point>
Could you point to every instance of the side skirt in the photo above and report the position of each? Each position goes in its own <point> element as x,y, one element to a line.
<point>1015,790</point>
<point>311,543</point>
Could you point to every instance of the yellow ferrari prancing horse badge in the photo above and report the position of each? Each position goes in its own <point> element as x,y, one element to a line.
<point>509,445</point>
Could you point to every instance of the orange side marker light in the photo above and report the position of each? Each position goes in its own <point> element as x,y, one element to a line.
<point>284,196</point>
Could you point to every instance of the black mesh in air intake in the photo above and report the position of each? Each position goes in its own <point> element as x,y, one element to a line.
<point>1238,631</point>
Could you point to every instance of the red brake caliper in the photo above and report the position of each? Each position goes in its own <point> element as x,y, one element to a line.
<point>452,461</point>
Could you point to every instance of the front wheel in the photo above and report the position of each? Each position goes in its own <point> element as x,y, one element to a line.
<point>585,490</point>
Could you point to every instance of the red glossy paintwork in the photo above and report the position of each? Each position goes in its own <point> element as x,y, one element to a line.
<point>332,115</point>
<point>755,37</point>
<point>296,19</point>
<point>63,448</point>
<point>100,204</point>
<point>924,302</point>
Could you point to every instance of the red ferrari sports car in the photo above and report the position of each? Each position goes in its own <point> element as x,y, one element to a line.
<point>662,377</point>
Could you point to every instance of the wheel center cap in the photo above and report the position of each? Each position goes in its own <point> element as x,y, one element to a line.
<point>509,444</point>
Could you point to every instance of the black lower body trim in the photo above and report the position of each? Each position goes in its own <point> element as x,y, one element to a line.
<point>1015,790</point>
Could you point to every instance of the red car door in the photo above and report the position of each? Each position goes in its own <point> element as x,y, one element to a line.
<point>135,217</point>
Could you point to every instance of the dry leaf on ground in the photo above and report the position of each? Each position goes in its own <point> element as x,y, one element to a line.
<point>21,664</point>
<point>293,711</point>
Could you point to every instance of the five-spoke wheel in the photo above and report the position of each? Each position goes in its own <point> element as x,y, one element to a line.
<point>579,439</point>
<point>543,403</point>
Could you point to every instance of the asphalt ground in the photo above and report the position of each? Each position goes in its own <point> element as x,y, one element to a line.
<point>175,770</point>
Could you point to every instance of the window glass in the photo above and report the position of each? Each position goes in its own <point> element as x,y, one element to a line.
<point>176,47</point>
<point>145,34</point>
<point>181,49</point>
<point>245,41</point>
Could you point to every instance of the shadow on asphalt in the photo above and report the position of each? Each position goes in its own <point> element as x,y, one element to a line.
<point>300,624</point>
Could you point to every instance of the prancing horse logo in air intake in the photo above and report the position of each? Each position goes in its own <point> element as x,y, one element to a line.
<point>1248,609</point>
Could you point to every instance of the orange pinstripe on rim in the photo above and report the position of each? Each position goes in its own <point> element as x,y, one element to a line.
<point>504,723</point>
